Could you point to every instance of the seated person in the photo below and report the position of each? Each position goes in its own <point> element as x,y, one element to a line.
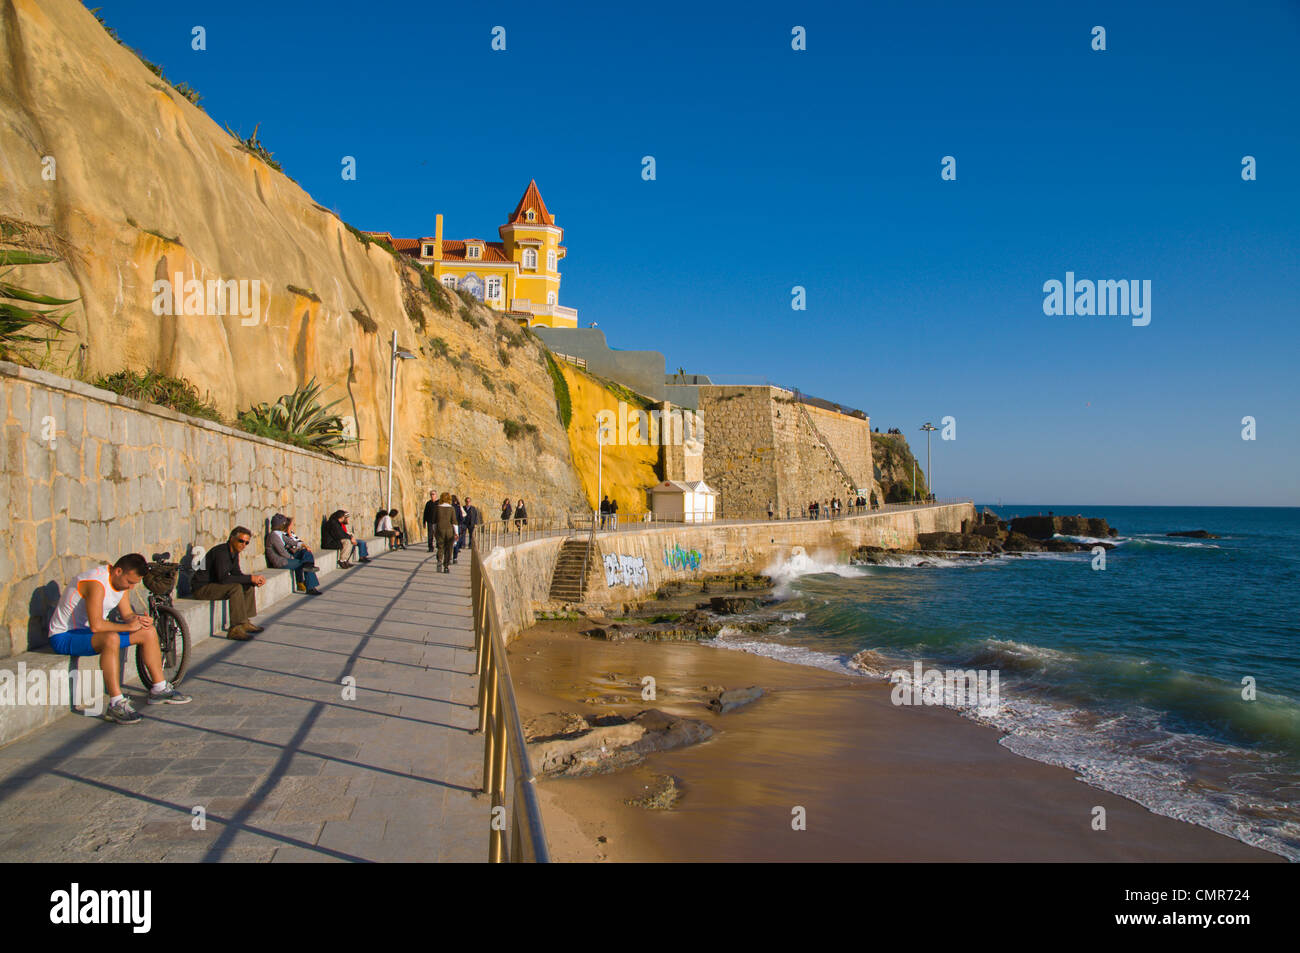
<point>384,527</point>
<point>337,534</point>
<point>221,578</point>
<point>286,551</point>
<point>80,626</point>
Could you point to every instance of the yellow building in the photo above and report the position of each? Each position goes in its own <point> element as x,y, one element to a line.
<point>519,275</point>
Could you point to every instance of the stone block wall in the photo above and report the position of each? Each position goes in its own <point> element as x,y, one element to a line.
<point>758,447</point>
<point>89,476</point>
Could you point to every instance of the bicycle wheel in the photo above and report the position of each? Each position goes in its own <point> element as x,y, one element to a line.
<point>174,640</point>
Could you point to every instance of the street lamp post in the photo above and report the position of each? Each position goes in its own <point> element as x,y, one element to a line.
<point>929,428</point>
<point>601,432</point>
<point>398,354</point>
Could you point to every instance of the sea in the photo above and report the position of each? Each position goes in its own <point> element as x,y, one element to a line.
<point>1170,675</point>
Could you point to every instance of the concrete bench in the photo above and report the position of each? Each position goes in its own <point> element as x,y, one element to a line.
<point>205,619</point>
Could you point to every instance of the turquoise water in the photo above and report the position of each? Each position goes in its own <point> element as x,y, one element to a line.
<point>1131,676</point>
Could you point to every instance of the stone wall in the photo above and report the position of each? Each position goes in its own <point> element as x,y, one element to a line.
<point>89,476</point>
<point>759,447</point>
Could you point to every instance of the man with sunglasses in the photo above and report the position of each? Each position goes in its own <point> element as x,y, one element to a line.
<point>221,578</point>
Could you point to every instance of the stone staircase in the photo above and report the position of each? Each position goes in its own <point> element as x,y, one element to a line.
<point>845,475</point>
<point>569,583</point>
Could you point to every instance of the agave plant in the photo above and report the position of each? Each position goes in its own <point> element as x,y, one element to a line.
<point>300,418</point>
<point>17,314</point>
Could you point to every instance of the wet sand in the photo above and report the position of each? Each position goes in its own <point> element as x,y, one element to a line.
<point>876,781</point>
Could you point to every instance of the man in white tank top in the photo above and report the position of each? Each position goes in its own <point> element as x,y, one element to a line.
<point>80,626</point>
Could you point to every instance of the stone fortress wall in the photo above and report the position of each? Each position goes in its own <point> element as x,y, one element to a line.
<point>760,447</point>
<point>89,476</point>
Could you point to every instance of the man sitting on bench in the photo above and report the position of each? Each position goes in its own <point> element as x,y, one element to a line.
<point>80,626</point>
<point>221,578</point>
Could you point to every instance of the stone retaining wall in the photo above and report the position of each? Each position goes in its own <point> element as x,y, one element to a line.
<point>89,476</point>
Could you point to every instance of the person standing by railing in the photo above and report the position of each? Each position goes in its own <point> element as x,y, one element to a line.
<point>430,516</point>
<point>472,520</point>
<point>445,529</point>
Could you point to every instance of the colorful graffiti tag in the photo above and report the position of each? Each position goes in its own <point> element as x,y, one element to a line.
<point>623,570</point>
<point>678,558</point>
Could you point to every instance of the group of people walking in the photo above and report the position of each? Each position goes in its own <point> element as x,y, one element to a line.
<point>450,525</point>
<point>518,511</point>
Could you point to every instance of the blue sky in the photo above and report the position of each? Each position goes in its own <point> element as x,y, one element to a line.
<point>821,168</point>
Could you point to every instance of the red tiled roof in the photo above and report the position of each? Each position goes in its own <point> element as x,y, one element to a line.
<point>453,250</point>
<point>532,199</point>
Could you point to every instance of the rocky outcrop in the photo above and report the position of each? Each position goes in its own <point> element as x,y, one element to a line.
<point>1045,527</point>
<point>895,468</point>
<point>1194,534</point>
<point>726,701</point>
<point>569,745</point>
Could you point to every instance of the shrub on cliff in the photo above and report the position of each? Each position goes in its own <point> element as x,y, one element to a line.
<point>18,317</point>
<point>563,400</point>
<point>300,420</point>
<point>154,388</point>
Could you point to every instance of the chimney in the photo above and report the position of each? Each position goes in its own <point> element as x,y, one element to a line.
<point>437,238</point>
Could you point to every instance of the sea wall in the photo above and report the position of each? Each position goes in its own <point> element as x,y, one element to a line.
<point>759,447</point>
<point>89,476</point>
<point>632,564</point>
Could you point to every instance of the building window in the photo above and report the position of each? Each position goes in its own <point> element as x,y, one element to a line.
<point>531,215</point>
<point>428,251</point>
<point>449,281</point>
<point>530,258</point>
<point>494,289</point>
<point>473,251</point>
<point>550,297</point>
<point>550,260</point>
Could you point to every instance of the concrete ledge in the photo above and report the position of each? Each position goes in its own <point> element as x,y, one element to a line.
<point>204,619</point>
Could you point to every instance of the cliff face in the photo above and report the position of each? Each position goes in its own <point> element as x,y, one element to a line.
<point>894,467</point>
<point>144,185</point>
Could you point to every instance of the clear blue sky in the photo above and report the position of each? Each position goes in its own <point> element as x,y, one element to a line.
<point>821,168</point>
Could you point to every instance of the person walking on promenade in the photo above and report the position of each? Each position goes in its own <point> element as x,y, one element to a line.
<point>460,528</point>
<point>430,515</point>
<point>221,578</point>
<point>472,519</point>
<point>445,529</point>
<point>613,514</point>
<point>769,511</point>
<point>80,626</point>
<point>604,512</point>
<point>282,552</point>
<point>506,511</point>
<point>521,517</point>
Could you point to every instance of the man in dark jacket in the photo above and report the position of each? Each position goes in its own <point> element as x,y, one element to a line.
<point>221,578</point>
<point>472,519</point>
<point>337,534</point>
<point>445,528</point>
<point>430,515</point>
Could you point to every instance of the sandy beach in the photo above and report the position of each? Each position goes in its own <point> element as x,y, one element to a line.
<point>876,782</point>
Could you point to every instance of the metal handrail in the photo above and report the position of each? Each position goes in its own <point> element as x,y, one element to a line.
<point>504,747</point>
<point>586,558</point>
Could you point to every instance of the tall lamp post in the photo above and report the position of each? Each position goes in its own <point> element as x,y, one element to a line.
<point>929,428</point>
<point>601,433</point>
<point>398,354</point>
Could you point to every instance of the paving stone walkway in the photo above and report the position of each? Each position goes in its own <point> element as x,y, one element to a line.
<point>283,766</point>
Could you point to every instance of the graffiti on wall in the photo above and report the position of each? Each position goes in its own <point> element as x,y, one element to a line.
<point>623,570</point>
<point>678,558</point>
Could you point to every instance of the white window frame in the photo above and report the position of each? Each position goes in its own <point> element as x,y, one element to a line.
<point>550,260</point>
<point>474,252</point>
<point>532,216</point>
<point>530,258</point>
<point>550,297</point>
<point>427,250</point>
<point>488,292</point>
<point>449,281</point>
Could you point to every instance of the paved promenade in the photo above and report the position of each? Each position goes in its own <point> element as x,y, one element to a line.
<point>285,768</point>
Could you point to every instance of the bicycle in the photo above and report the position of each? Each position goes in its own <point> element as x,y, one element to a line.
<point>173,634</point>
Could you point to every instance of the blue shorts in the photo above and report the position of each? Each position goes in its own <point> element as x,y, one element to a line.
<point>77,642</point>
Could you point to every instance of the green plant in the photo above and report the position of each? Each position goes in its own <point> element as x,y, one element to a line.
<point>253,146</point>
<point>154,388</point>
<point>171,239</point>
<point>436,292</point>
<point>304,292</point>
<point>17,315</point>
<point>366,321</point>
<point>467,315</point>
<point>487,381</point>
<point>299,419</point>
<point>467,404</point>
<point>563,400</point>
<point>503,356</point>
<point>516,429</point>
<point>439,347</point>
<point>188,91</point>
<point>357,233</point>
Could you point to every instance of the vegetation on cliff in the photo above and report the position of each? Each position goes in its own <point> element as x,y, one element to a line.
<point>894,464</point>
<point>23,310</point>
<point>300,420</point>
<point>155,388</point>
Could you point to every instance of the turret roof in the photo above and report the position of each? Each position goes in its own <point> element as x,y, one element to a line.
<point>532,199</point>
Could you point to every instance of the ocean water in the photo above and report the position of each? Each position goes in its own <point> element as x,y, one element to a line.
<point>1131,676</point>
